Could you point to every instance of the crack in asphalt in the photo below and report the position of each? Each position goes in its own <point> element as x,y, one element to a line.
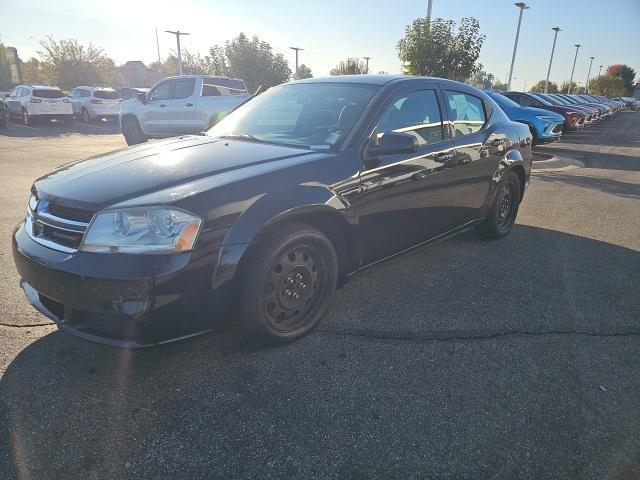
<point>461,336</point>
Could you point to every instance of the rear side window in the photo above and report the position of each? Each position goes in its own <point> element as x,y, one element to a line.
<point>467,111</point>
<point>416,113</point>
<point>210,91</point>
<point>526,101</point>
<point>106,94</point>
<point>184,88</point>
<point>48,93</point>
<point>226,86</point>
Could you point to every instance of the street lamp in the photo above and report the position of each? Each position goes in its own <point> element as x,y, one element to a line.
<point>297,49</point>
<point>586,85</point>
<point>555,37</point>
<point>367,59</point>
<point>177,33</point>
<point>577,45</point>
<point>522,6</point>
<point>600,71</point>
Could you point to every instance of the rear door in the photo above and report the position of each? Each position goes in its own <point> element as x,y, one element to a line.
<point>405,198</point>
<point>479,148</point>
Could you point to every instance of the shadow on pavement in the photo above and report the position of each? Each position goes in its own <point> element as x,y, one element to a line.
<point>56,129</point>
<point>606,185</point>
<point>531,377</point>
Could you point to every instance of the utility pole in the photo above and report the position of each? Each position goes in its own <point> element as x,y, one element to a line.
<point>159,61</point>
<point>297,49</point>
<point>577,45</point>
<point>522,6</point>
<point>367,59</point>
<point>429,6</point>
<point>600,71</point>
<point>586,85</point>
<point>177,33</point>
<point>555,37</point>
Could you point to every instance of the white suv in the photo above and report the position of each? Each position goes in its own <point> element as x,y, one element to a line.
<point>35,101</point>
<point>93,103</point>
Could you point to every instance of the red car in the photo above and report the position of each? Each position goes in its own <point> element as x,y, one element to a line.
<point>573,119</point>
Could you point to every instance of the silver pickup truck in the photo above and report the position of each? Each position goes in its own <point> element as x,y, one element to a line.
<point>186,104</point>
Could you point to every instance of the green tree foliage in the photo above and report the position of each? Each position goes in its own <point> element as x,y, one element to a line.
<point>32,72</point>
<point>564,88</point>
<point>609,85</point>
<point>5,70</point>
<point>192,64</point>
<point>435,48</point>
<point>66,63</point>
<point>303,72</point>
<point>499,86</point>
<point>482,80</point>
<point>350,66</point>
<point>625,72</point>
<point>539,87</point>
<point>253,60</point>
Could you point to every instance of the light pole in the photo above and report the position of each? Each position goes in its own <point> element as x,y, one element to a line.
<point>586,85</point>
<point>522,6</point>
<point>177,33</point>
<point>367,59</point>
<point>429,5</point>
<point>577,45</point>
<point>555,37</point>
<point>297,49</point>
<point>600,71</point>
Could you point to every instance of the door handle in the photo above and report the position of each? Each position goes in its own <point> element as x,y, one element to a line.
<point>188,104</point>
<point>162,105</point>
<point>444,157</point>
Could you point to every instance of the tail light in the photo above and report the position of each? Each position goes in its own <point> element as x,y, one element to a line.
<point>35,100</point>
<point>95,101</point>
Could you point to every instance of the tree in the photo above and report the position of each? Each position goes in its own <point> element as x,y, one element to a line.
<point>609,85</point>
<point>32,72</point>
<point>66,63</point>
<point>433,48</point>
<point>303,72</point>
<point>5,70</point>
<point>539,87</point>
<point>192,64</point>
<point>625,72</point>
<point>482,80</point>
<point>350,66</point>
<point>253,60</point>
<point>564,88</point>
<point>499,86</point>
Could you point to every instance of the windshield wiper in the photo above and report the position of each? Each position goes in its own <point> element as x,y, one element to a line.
<point>246,137</point>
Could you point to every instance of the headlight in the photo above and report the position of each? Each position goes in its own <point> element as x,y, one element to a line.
<point>142,230</point>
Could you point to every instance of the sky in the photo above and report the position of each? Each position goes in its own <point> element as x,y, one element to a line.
<point>331,30</point>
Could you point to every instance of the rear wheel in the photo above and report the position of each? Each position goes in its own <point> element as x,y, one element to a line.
<point>288,283</point>
<point>503,211</point>
<point>132,132</point>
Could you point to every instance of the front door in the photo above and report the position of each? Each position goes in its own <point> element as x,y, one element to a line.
<point>180,114</point>
<point>154,115</point>
<point>405,197</point>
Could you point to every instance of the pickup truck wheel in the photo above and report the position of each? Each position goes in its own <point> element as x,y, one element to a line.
<point>26,118</point>
<point>288,283</point>
<point>86,118</point>
<point>503,211</point>
<point>132,132</point>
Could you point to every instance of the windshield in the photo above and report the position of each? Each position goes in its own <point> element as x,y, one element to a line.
<point>306,115</point>
<point>48,93</point>
<point>106,94</point>
<point>502,100</point>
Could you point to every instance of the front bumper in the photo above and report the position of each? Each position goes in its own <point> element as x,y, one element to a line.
<point>119,300</point>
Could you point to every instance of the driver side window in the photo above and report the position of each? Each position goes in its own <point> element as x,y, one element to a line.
<point>416,113</point>
<point>162,91</point>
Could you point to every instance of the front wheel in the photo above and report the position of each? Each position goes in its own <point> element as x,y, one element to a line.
<point>132,132</point>
<point>26,118</point>
<point>503,211</point>
<point>288,283</point>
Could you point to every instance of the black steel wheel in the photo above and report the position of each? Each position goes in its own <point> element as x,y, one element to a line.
<point>132,132</point>
<point>288,283</point>
<point>503,211</point>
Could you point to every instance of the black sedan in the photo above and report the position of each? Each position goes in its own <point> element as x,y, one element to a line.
<point>267,213</point>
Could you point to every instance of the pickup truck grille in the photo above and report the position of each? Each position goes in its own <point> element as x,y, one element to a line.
<point>56,226</point>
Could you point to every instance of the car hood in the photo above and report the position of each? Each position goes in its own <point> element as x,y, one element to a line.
<point>105,180</point>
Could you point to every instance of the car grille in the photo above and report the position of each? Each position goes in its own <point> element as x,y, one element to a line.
<point>557,128</point>
<point>56,226</point>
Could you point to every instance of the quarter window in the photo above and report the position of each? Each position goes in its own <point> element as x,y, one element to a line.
<point>416,113</point>
<point>467,113</point>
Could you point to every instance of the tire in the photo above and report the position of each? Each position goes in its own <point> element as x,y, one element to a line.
<point>288,283</point>
<point>86,118</point>
<point>132,132</point>
<point>504,210</point>
<point>534,138</point>
<point>27,119</point>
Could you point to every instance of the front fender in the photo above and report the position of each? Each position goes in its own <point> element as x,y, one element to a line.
<point>268,210</point>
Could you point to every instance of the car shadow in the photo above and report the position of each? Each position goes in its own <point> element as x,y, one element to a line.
<point>606,185</point>
<point>58,129</point>
<point>470,359</point>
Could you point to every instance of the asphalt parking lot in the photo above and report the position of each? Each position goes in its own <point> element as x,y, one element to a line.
<point>471,359</point>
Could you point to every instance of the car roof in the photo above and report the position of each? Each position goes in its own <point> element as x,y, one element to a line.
<point>377,79</point>
<point>201,76</point>
<point>39,87</point>
<point>94,88</point>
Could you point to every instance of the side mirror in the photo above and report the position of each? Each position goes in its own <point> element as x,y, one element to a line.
<point>393,143</point>
<point>7,95</point>
<point>142,97</point>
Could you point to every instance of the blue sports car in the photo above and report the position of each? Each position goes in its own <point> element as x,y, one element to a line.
<point>545,125</point>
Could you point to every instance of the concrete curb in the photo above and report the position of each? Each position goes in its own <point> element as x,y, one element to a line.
<point>555,164</point>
